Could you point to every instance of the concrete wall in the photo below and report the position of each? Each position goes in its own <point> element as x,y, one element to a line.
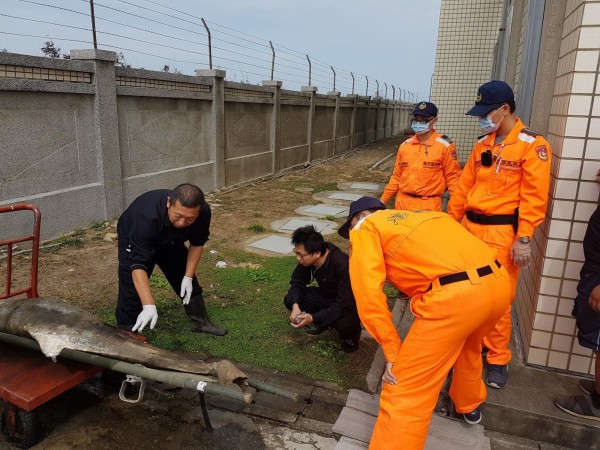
<point>82,138</point>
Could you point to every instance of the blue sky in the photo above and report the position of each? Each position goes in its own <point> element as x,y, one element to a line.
<point>391,41</point>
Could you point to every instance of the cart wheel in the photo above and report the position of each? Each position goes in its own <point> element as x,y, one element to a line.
<point>20,428</point>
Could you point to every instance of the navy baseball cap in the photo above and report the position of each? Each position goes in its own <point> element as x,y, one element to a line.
<point>360,205</point>
<point>490,96</point>
<point>425,109</point>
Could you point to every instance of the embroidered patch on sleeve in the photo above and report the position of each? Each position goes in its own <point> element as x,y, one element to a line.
<point>453,155</point>
<point>542,152</point>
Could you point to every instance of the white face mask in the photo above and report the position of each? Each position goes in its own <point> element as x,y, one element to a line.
<point>487,124</point>
<point>420,127</point>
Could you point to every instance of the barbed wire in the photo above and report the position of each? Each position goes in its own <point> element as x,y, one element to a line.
<point>151,29</point>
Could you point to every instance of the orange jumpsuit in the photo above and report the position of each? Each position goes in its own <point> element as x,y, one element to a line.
<point>423,170</point>
<point>518,178</point>
<point>412,249</point>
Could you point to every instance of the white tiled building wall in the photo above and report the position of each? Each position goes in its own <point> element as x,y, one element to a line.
<point>574,134</point>
<point>465,51</point>
<point>546,290</point>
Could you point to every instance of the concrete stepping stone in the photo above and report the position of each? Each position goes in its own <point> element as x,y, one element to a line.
<point>322,210</point>
<point>362,186</point>
<point>276,244</point>
<point>289,224</point>
<point>338,197</point>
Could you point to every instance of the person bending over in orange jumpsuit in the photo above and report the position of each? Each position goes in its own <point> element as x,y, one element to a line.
<point>426,163</point>
<point>501,198</point>
<point>458,290</point>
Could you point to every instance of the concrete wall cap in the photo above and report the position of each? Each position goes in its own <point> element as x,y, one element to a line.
<point>99,55</point>
<point>275,83</point>
<point>216,73</point>
<point>335,93</point>
<point>309,88</point>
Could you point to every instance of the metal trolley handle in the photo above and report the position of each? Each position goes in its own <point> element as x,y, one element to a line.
<point>133,381</point>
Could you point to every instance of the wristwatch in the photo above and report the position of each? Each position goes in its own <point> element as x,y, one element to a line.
<point>524,240</point>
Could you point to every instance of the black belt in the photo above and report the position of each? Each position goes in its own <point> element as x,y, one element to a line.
<point>420,196</point>
<point>484,219</point>
<point>462,276</point>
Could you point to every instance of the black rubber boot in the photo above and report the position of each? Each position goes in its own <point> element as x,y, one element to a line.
<point>196,311</point>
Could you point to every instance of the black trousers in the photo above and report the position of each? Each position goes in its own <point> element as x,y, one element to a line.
<point>314,300</point>
<point>172,260</point>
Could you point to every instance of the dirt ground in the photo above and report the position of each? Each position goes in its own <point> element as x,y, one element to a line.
<point>87,277</point>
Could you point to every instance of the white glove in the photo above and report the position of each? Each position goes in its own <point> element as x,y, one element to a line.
<point>520,252</point>
<point>186,290</point>
<point>148,314</point>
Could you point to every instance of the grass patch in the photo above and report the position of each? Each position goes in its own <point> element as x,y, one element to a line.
<point>320,187</point>
<point>63,241</point>
<point>248,301</point>
<point>158,280</point>
<point>98,225</point>
<point>330,217</point>
<point>256,228</point>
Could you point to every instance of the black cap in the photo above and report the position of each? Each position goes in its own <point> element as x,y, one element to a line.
<point>360,205</point>
<point>425,109</point>
<point>490,96</point>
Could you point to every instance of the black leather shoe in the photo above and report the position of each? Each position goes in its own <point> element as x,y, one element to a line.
<point>314,330</point>
<point>349,345</point>
<point>208,327</point>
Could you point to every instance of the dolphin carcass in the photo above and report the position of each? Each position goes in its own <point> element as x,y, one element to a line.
<point>56,325</point>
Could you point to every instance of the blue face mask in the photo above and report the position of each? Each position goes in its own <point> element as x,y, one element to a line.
<point>419,127</point>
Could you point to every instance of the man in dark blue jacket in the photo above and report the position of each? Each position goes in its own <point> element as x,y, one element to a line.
<point>587,315</point>
<point>153,231</point>
<point>331,303</point>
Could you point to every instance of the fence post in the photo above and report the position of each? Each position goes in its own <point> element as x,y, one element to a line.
<point>354,98</point>
<point>216,128</point>
<point>311,118</point>
<point>272,61</point>
<point>275,128</point>
<point>106,128</point>
<point>209,43</point>
<point>336,117</point>
<point>93,17</point>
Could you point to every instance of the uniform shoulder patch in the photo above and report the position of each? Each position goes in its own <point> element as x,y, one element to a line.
<point>447,139</point>
<point>530,132</point>
<point>542,152</point>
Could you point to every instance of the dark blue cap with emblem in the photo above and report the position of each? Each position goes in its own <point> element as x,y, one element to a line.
<point>490,96</point>
<point>360,205</point>
<point>425,109</point>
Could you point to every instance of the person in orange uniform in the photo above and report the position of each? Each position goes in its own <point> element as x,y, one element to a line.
<point>425,165</point>
<point>458,293</point>
<point>501,198</point>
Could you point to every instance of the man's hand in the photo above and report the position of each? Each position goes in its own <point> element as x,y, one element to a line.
<point>148,314</point>
<point>302,320</point>
<point>594,300</point>
<point>388,375</point>
<point>296,311</point>
<point>186,290</point>
<point>520,253</point>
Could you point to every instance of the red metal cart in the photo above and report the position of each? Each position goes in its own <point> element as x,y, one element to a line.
<point>27,378</point>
